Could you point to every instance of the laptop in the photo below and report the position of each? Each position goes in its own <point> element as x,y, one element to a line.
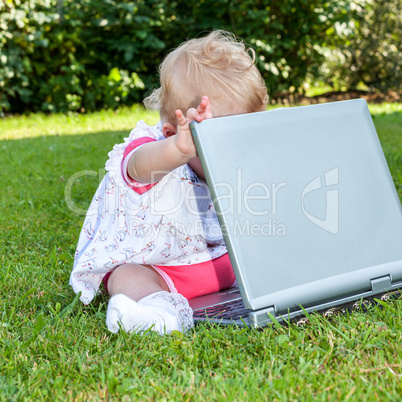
<point>308,209</point>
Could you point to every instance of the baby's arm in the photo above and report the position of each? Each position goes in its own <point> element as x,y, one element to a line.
<point>155,159</point>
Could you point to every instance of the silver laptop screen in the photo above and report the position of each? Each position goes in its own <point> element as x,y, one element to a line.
<point>304,194</point>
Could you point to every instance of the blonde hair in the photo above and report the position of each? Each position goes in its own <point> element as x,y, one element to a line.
<point>216,65</point>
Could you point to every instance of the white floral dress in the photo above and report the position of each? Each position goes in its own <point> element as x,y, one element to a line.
<point>173,223</point>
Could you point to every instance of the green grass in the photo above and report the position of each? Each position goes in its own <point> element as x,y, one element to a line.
<point>52,347</point>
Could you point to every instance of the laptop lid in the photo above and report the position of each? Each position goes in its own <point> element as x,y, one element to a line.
<point>306,202</point>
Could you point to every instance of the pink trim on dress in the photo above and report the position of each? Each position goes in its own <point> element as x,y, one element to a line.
<point>131,149</point>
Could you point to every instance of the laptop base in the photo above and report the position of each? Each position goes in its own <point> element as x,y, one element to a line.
<point>233,312</point>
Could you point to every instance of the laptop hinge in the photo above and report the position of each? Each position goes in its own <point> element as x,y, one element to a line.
<point>381,284</point>
<point>261,317</point>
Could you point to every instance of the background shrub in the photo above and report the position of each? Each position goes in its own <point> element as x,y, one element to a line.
<point>61,55</point>
<point>365,48</point>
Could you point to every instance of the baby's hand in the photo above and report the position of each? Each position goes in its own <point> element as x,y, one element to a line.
<point>184,140</point>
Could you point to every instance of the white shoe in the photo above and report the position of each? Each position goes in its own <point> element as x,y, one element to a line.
<point>163,312</point>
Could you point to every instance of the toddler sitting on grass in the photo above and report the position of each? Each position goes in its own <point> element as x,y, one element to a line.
<point>151,233</point>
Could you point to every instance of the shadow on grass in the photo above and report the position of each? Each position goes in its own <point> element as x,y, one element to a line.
<point>35,171</point>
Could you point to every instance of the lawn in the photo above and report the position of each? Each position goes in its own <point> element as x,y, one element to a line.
<point>52,347</point>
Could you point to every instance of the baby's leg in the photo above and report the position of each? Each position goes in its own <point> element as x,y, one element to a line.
<point>135,281</point>
<point>141,300</point>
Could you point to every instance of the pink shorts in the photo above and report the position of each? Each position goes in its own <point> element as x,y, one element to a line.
<point>197,279</point>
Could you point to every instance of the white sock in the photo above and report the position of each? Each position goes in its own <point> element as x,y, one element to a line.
<point>163,311</point>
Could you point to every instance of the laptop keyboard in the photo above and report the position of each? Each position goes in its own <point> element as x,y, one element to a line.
<point>233,309</point>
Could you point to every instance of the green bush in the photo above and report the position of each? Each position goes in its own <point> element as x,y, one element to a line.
<point>64,61</point>
<point>365,48</point>
<point>20,36</point>
<point>82,55</point>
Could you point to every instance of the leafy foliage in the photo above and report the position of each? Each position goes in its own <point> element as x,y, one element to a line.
<point>365,48</point>
<point>61,55</point>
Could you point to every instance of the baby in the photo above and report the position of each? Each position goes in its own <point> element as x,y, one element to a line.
<point>151,233</point>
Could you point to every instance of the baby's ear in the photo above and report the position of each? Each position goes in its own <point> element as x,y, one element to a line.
<point>168,129</point>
